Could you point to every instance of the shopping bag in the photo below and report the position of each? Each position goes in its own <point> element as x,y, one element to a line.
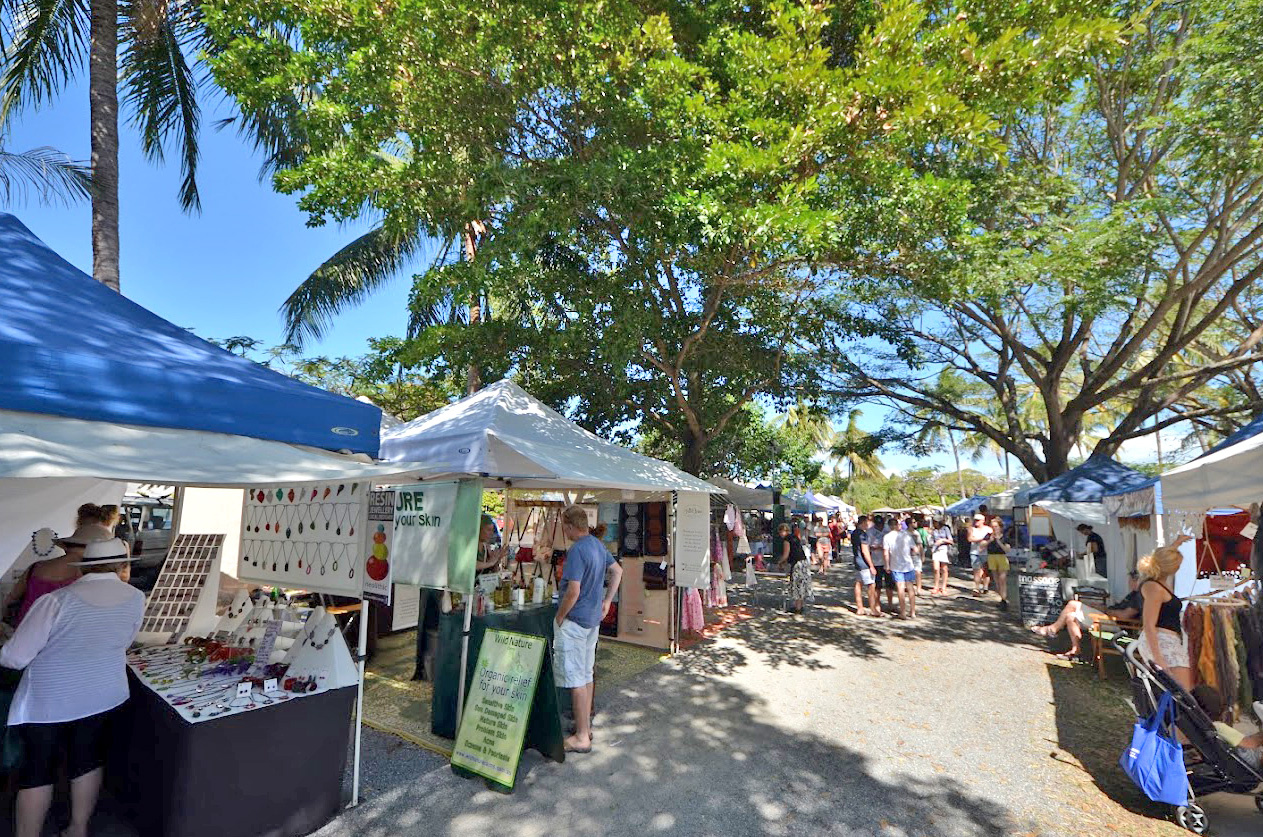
<point>1155,760</point>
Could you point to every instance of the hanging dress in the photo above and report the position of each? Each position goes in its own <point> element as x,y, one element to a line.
<point>692,620</point>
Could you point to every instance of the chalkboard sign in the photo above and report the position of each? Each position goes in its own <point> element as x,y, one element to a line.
<point>1039,598</point>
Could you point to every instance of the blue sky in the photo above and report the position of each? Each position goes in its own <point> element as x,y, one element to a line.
<point>222,273</point>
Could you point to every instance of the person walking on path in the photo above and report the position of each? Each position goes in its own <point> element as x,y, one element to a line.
<point>979,535</point>
<point>941,541</point>
<point>998,561</point>
<point>922,533</point>
<point>589,567</point>
<point>865,572</point>
<point>877,552</point>
<point>902,551</point>
<point>837,534</point>
<point>824,544</point>
<point>795,557</point>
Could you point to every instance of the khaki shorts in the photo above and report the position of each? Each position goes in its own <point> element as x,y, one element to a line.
<point>998,563</point>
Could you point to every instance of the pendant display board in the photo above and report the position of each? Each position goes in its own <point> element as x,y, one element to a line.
<point>322,653</point>
<point>308,536</point>
<point>642,529</point>
<point>183,598</point>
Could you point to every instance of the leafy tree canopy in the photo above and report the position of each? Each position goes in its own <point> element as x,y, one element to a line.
<point>674,203</point>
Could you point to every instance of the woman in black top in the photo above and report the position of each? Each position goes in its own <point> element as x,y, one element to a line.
<point>794,557</point>
<point>1162,638</point>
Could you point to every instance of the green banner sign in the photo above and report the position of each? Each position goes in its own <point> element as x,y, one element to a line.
<point>489,741</point>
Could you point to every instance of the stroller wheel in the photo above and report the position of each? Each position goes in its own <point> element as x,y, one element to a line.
<point>1192,818</point>
<point>1258,802</point>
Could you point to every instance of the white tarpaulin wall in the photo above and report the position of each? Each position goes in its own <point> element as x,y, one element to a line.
<point>503,432</point>
<point>1230,476</point>
<point>41,446</point>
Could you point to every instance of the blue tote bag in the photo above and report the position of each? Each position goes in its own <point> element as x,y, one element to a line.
<point>1155,760</point>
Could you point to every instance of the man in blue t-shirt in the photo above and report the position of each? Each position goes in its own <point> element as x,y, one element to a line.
<point>588,569</point>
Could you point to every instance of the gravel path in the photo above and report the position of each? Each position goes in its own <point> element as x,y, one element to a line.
<point>952,725</point>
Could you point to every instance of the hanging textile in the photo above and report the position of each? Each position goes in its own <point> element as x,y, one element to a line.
<point>1252,633</point>
<point>718,587</point>
<point>1206,660</point>
<point>1225,657</point>
<point>692,620</point>
<point>1193,630</point>
<point>1244,689</point>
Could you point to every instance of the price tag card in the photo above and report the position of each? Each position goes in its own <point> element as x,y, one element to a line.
<point>270,686</point>
<point>1249,531</point>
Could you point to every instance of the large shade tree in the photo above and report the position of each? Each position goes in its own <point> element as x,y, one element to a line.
<point>1112,259</point>
<point>660,189</point>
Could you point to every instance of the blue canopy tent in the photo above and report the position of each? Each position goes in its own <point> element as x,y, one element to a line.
<point>966,507</point>
<point>1087,483</point>
<point>71,347</point>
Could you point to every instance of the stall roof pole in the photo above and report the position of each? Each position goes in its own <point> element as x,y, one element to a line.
<point>359,702</point>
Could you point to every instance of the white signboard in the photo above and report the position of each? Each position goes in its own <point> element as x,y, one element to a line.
<point>407,610</point>
<point>691,542</point>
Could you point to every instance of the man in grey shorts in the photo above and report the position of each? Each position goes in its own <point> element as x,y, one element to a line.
<point>979,536</point>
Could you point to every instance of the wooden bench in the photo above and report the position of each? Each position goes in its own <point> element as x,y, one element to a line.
<point>1104,630</point>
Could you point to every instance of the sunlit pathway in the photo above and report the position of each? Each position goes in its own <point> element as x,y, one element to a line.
<point>953,724</point>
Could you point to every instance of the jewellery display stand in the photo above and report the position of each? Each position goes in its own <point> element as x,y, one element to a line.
<point>183,598</point>
<point>322,653</point>
<point>315,617</point>
<point>237,612</point>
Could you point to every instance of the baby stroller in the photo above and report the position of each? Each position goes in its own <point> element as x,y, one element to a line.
<point>1212,766</point>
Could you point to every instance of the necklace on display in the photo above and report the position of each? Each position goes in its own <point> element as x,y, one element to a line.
<point>311,637</point>
<point>43,542</point>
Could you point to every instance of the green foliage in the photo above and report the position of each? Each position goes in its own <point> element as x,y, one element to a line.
<point>671,203</point>
<point>914,487</point>
<point>1110,262</point>
<point>377,376</point>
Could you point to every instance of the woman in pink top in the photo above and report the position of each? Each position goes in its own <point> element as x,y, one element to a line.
<point>46,576</point>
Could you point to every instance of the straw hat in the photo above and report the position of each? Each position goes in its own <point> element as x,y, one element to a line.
<point>86,534</point>
<point>112,551</point>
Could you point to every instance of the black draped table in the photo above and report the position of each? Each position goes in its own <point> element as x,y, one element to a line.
<point>543,731</point>
<point>270,772</point>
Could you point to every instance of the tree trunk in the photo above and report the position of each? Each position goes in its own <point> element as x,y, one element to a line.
<point>103,114</point>
<point>960,477</point>
<point>1008,480</point>
<point>694,454</point>
<point>473,376</point>
<point>1157,436</point>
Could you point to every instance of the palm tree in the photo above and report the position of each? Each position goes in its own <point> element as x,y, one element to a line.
<point>857,448</point>
<point>812,421</point>
<point>43,172</point>
<point>931,435</point>
<point>45,51</point>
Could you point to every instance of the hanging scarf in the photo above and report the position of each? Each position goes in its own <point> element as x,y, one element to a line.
<point>1193,622</point>
<point>1206,660</point>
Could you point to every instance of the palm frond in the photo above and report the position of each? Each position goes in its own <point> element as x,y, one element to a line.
<point>46,44</point>
<point>45,172</point>
<point>346,279</point>
<point>158,84</point>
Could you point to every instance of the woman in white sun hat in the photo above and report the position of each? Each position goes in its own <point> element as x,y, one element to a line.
<point>72,646</point>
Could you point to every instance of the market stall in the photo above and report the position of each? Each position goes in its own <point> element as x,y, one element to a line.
<point>656,516</point>
<point>133,398</point>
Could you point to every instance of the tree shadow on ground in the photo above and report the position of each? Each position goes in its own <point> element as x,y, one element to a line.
<point>686,755</point>
<point>787,640</point>
<point>1094,724</point>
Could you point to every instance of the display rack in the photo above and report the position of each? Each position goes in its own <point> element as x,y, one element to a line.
<point>182,590</point>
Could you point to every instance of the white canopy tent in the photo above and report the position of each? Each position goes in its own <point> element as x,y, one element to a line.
<point>744,497</point>
<point>1223,478</point>
<point>503,433</point>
